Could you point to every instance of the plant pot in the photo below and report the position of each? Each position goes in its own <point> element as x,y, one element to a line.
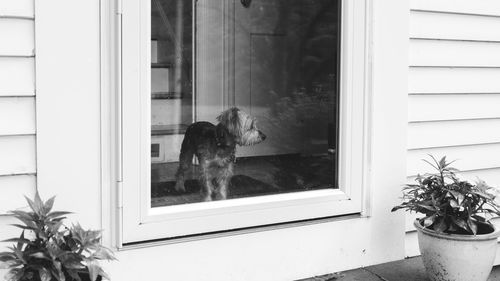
<point>84,276</point>
<point>455,257</point>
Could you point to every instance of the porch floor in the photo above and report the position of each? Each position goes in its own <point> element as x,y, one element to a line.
<point>411,269</point>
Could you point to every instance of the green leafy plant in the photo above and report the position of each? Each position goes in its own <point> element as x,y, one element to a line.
<point>47,250</point>
<point>449,204</point>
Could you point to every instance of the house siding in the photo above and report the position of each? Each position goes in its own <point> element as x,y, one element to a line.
<point>17,109</point>
<point>454,90</point>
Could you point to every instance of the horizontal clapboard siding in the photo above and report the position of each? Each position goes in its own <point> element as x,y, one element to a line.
<point>481,7</point>
<point>454,53</point>
<point>17,105</point>
<point>440,107</point>
<point>470,157</point>
<point>17,115</point>
<point>13,188</point>
<point>454,91</point>
<point>432,80</point>
<point>17,9</point>
<point>17,76</point>
<point>453,133</point>
<point>431,25</point>
<point>18,37</point>
<point>18,155</point>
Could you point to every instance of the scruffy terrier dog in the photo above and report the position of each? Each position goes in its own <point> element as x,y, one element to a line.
<point>215,147</point>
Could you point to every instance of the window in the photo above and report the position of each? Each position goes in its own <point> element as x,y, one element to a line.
<point>240,113</point>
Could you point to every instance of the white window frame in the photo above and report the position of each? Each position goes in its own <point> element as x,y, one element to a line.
<point>139,222</point>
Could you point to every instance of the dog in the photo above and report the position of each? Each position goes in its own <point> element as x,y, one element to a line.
<point>215,148</point>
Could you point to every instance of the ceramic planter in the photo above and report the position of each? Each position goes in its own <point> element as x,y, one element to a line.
<point>454,257</point>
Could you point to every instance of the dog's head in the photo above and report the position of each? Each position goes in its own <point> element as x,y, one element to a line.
<point>242,126</point>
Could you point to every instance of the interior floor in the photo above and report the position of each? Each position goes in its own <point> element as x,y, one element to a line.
<point>253,176</point>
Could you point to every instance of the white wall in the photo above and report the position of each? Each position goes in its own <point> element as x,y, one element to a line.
<point>68,106</point>
<point>454,90</point>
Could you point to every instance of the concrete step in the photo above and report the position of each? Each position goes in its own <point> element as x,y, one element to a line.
<point>411,269</point>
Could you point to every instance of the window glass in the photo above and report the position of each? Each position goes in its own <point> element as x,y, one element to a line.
<point>244,98</point>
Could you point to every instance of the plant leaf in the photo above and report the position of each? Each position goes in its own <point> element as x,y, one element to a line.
<point>442,162</point>
<point>25,217</point>
<point>38,203</point>
<point>74,274</point>
<point>39,255</point>
<point>18,254</point>
<point>23,226</point>
<point>460,223</point>
<point>102,253</point>
<point>44,274</point>
<point>15,274</point>
<point>430,164</point>
<point>57,214</point>
<point>472,225</point>
<point>104,275</point>
<point>454,204</point>
<point>31,204</point>
<point>20,244</point>
<point>60,273</point>
<point>430,208</point>
<point>428,221</point>
<point>440,225</point>
<point>18,240</point>
<point>48,205</point>
<point>94,270</point>
<point>6,256</point>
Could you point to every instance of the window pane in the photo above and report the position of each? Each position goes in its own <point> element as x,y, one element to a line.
<point>244,98</point>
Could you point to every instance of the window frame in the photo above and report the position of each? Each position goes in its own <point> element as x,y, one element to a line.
<point>138,222</point>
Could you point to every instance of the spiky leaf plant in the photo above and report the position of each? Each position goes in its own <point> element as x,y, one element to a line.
<point>47,250</point>
<point>450,205</point>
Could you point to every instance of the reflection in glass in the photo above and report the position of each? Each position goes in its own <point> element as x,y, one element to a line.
<point>277,62</point>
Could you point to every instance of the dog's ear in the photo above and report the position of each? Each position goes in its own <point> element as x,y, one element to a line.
<point>230,119</point>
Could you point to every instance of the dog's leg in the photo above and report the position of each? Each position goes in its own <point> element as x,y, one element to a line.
<point>185,163</point>
<point>222,181</point>
<point>207,185</point>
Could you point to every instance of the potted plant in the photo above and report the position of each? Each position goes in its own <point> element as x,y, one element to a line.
<point>456,239</point>
<point>47,250</point>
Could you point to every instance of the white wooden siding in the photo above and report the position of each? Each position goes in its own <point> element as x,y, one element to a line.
<point>17,105</point>
<point>17,115</point>
<point>445,26</point>
<point>17,76</point>
<point>481,7</point>
<point>440,107</point>
<point>17,37</point>
<point>453,133</point>
<point>17,9</point>
<point>454,53</point>
<point>438,80</point>
<point>469,157</point>
<point>13,189</point>
<point>454,90</point>
<point>17,155</point>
